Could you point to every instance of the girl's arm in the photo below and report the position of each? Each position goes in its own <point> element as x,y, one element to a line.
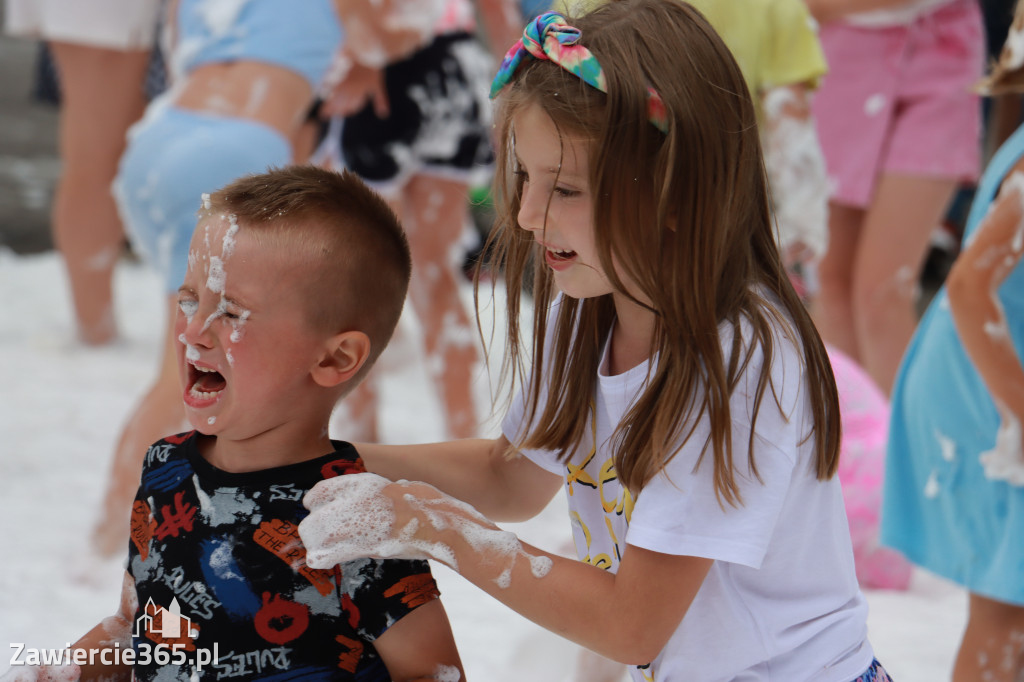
<point>628,616</point>
<point>421,646</point>
<point>477,471</point>
<point>981,323</point>
<point>796,171</point>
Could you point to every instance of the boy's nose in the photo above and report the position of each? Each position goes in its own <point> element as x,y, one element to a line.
<point>197,329</point>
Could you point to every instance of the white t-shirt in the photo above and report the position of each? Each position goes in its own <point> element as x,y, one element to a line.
<point>781,601</point>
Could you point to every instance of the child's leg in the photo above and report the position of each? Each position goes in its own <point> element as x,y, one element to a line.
<point>434,213</point>
<point>993,645</point>
<point>101,93</point>
<point>887,268</point>
<point>159,414</point>
<point>832,307</point>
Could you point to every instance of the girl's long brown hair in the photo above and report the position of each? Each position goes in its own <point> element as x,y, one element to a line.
<point>686,217</point>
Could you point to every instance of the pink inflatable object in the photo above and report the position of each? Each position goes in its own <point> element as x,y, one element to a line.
<point>865,418</point>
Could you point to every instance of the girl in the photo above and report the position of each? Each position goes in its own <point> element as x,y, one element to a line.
<point>678,390</point>
<point>954,487</point>
<point>101,51</point>
<point>900,77</point>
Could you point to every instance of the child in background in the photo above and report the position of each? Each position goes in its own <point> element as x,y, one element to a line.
<point>900,129</point>
<point>775,42</point>
<point>678,390</point>
<point>421,142</point>
<point>296,279</point>
<point>101,50</point>
<point>954,489</point>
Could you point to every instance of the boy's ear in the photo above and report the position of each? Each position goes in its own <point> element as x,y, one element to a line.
<point>346,353</point>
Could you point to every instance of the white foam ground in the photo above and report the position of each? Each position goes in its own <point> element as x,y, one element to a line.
<point>62,407</point>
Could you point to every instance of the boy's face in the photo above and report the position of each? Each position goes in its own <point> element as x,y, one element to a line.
<point>246,347</point>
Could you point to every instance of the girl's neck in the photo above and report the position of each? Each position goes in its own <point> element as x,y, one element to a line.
<point>630,344</point>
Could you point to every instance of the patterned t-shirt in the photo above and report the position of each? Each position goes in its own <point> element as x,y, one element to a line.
<point>220,572</point>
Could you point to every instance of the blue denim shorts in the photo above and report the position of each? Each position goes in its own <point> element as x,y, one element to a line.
<point>173,157</point>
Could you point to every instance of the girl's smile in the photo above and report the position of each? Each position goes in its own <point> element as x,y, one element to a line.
<point>558,259</point>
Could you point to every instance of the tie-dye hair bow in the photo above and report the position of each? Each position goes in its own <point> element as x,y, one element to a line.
<point>550,37</point>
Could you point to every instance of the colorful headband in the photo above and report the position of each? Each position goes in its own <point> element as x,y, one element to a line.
<point>550,37</point>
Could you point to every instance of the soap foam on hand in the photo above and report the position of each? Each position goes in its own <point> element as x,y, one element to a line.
<point>353,517</point>
<point>349,519</point>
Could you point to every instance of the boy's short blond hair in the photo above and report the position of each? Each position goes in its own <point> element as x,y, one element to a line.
<point>357,255</point>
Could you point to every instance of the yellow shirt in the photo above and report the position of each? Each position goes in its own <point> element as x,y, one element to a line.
<point>775,42</point>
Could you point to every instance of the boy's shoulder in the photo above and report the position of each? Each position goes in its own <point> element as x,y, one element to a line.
<point>177,457</point>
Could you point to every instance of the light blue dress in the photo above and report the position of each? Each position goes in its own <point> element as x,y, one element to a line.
<point>939,508</point>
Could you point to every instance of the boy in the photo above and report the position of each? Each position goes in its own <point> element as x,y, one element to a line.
<point>296,280</point>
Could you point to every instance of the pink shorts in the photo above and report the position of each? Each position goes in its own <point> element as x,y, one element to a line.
<point>898,99</point>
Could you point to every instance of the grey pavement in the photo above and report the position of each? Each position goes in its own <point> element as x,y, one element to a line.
<point>29,166</point>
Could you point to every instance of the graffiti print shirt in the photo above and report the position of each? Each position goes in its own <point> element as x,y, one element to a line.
<point>219,567</point>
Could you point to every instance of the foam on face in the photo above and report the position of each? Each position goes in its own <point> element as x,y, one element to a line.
<point>191,352</point>
<point>216,276</point>
<point>238,325</point>
<point>188,309</point>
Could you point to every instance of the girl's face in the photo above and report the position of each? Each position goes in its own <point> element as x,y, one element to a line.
<point>563,194</point>
<point>245,346</point>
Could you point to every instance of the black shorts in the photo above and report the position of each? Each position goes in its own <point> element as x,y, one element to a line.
<point>440,120</point>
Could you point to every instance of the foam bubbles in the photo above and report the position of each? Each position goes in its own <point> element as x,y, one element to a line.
<point>447,673</point>
<point>1005,461</point>
<point>216,276</point>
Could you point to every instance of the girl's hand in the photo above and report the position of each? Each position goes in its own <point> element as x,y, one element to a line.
<point>366,515</point>
<point>357,85</point>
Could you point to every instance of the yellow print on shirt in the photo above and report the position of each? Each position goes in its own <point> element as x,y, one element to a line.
<point>577,474</point>
<point>620,504</point>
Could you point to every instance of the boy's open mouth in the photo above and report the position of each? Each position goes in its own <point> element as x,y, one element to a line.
<point>204,383</point>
